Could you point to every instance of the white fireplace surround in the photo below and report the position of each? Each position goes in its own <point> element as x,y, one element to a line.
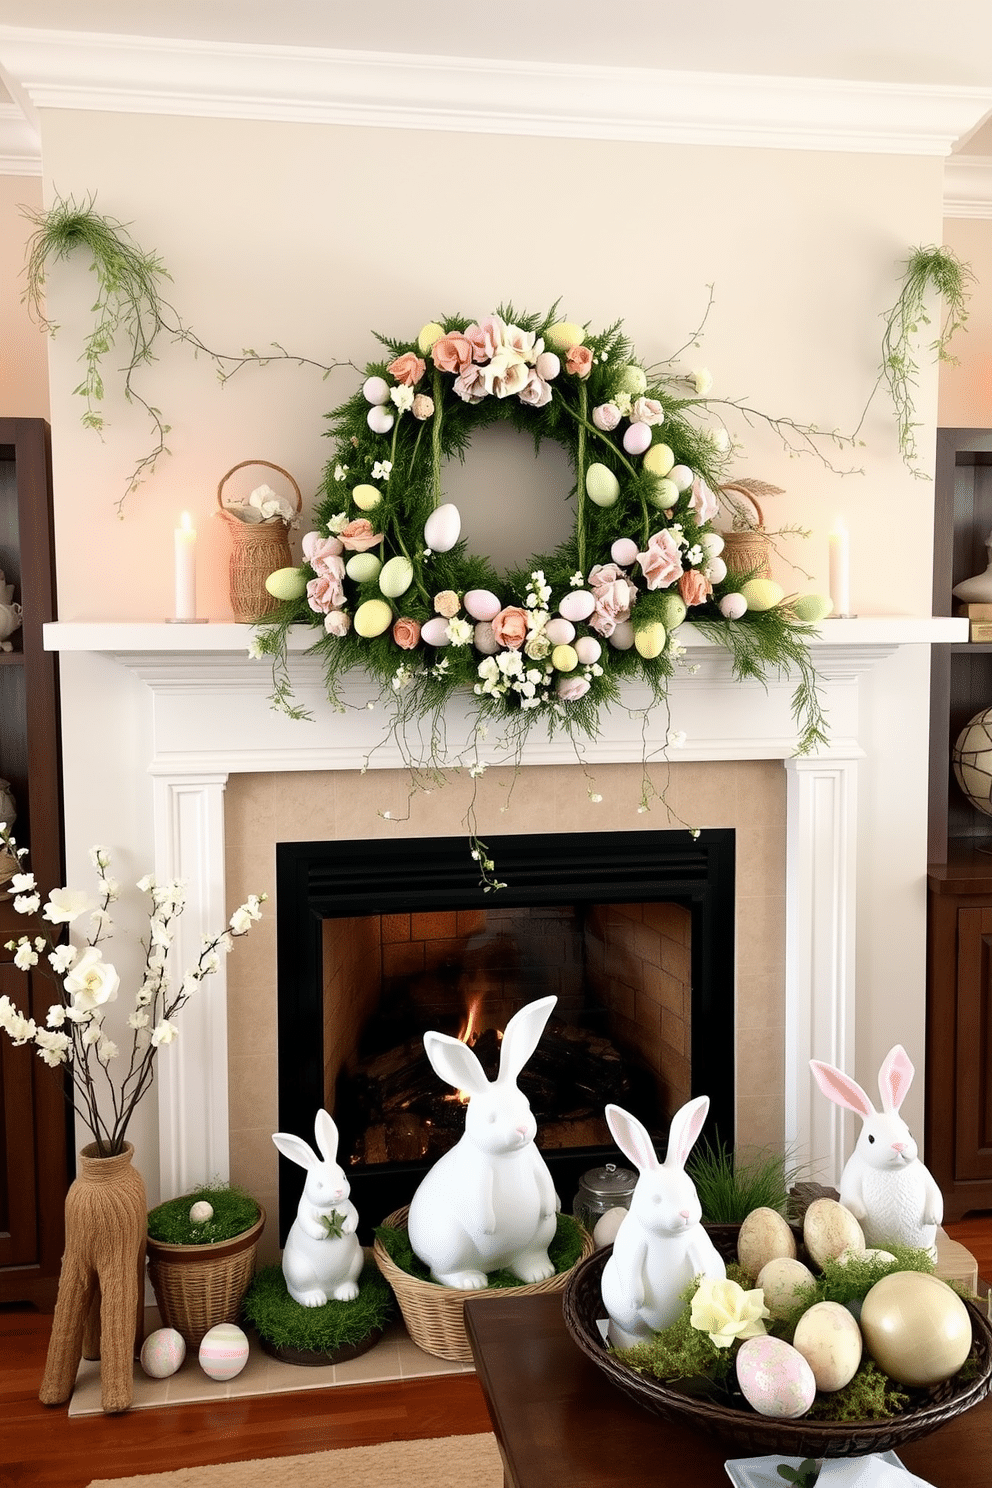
<point>181,708</point>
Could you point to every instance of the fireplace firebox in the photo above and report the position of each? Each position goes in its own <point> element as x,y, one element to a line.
<point>558,886</point>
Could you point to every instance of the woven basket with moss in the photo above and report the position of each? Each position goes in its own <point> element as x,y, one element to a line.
<point>200,1269</point>
<point>317,1335</point>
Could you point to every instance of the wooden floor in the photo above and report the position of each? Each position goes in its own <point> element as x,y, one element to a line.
<point>40,1447</point>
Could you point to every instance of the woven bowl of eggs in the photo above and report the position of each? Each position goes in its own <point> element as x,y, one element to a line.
<point>744,1429</point>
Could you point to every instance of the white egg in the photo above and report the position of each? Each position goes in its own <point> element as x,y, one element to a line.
<point>605,1229</point>
<point>200,1212</point>
<point>484,639</point>
<point>396,576</point>
<point>775,1378</point>
<point>560,632</point>
<point>224,1351</point>
<point>602,486</point>
<point>830,1341</point>
<point>712,544</point>
<point>482,604</point>
<point>637,438</point>
<point>623,636</point>
<point>733,606</point>
<point>434,632</point>
<point>443,528</point>
<point>588,650</point>
<point>376,390</point>
<point>624,551</point>
<point>379,419</point>
<point>681,477</point>
<point>162,1353</point>
<point>715,570</point>
<point>578,605</point>
<point>362,566</point>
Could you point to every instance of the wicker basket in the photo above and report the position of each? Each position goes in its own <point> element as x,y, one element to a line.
<point>435,1315</point>
<point>198,1286</point>
<point>744,1430</point>
<point>747,551</point>
<point>257,550</point>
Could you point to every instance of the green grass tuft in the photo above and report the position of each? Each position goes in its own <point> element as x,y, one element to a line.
<point>731,1184</point>
<point>234,1212</point>
<point>286,1324</point>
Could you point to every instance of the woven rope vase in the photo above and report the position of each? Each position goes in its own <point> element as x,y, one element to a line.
<point>257,550</point>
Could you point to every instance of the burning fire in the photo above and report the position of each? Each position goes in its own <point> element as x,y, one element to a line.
<point>468,1034</point>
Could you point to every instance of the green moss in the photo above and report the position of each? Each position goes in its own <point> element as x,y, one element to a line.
<point>234,1212</point>
<point>564,1251</point>
<point>870,1396</point>
<point>851,1282</point>
<point>286,1324</point>
<point>681,1352</point>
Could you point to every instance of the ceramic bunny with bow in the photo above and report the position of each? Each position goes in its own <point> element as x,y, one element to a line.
<point>489,1202</point>
<point>322,1258</point>
<point>884,1184</point>
<point>661,1245</point>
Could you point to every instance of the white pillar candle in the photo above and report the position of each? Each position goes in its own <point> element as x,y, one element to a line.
<point>185,538</point>
<point>840,569</point>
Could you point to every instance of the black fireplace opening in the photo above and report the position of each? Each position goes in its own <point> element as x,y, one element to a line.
<point>564,893</point>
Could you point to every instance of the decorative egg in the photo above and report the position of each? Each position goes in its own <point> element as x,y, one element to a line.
<point>443,528</point>
<point>624,551</point>
<point>223,1351</point>
<point>733,606</point>
<point>775,1378</point>
<point>482,604</point>
<point>362,566</point>
<point>783,1281</point>
<point>564,659</point>
<point>366,497</point>
<point>712,544</point>
<point>633,380</point>
<point>560,632</point>
<point>579,604</point>
<point>637,438</point>
<point>162,1353</point>
<point>916,1328</point>
<point>379,419</point>
<point>623,636</point>
<point>829,1229</point>
<point>375,390</point>
<point>607,1225</point>
<point>672,610</point>
<point>681,477</point>
<point>372,617</point>
<point>588,650</point>
<point>659,459</point>
<point>287,583</point>
<point>396,576</point>
<point>602,486</point>
<point>830,1341</point>
<point>664,495</point>
<point>485,638</point>
<point>715,570</point>
<point>434,632</point>
<point>563,335</point>
<point>762,594</point>
<point>812,607</point>
<point>764,1236</point>
<point>200,1212</point>
<point>650,640</point>
<point>429,333</point>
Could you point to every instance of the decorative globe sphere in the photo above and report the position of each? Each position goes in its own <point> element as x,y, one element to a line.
<point>972,761</point>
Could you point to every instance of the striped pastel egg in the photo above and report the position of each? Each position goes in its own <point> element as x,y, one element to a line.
<point>223,1351</point>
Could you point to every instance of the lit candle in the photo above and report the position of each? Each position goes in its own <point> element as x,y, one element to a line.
<point>840,569</point>
<point>185,568</point>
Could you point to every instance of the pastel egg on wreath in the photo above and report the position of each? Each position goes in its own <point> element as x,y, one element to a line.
<point>564,659</point>
<point>563,335</point>
<point>434,632</point>
<point>442,528</point>
<point>783,1280</point>
<point>428,334</point>
<point>830,1341</point>
<point>560,632</point>
<point>762,594</point>
<point>672,610</point>
<point>659,459</point>
<point>482,604</point>
<point>775,1378</point>
<point>373,617</point>
<point>200,1212</point>
<point>664,494</point>
<point>715,570</point>
<point>812,608</point>
<point>375,390</point>
<point>588,650</point>
<point>916,1328</point>
<point>681,477</point>
<point>650,640</point>
<point>287,583</point>
<point>637,438</point>
<point>484,638</point>
<point>602,486</point>
<point>622,637</point>
<point>624,551</point>
<point>577,605</point>
<point>396,576</point>
<point>223,1351</point>
<point>362,567</point>
<point>162,1353</point>
<point>379,419</point>
<point>712,544</point>
<point>733,606</point>
<point>366,497</point>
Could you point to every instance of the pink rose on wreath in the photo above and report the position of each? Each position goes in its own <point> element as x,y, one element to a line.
<point>470,385</point>
<point>661,563</point>
<point>452,353</point>
<point>702,501</point>
<point>318,551</point>
<point>408,368</point>
<point>536,393</point>
<point>578,361</point>
<point>358,537</point>
<point>326,592</point>
<point>423,406</point>
<point>647,411</point>
<point>606,417</point>
<point>486,337</point>
<point>570,689</point>
<point>510,627</point>
<point>447,603</point>
<point>614,595</point>
<point>694,586</point>
<point>337,623</point>
<point>406,634</point>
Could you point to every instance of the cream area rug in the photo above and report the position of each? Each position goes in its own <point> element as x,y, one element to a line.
<point>442,1462</point>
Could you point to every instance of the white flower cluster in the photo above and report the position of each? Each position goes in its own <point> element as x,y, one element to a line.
<point>507,671</point>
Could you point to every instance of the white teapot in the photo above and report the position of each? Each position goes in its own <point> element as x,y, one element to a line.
<point>10,620</point>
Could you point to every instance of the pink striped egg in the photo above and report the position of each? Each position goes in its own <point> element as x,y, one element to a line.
<point>224,1351</point>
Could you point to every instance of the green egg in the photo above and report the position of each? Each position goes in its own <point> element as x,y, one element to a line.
<point>673,610</point>
<point>762,594</point>
<point>362,566</point>
<point>287,583</point>
<point>602,486</point>
<point>812,607</point>
<point>396,576</point>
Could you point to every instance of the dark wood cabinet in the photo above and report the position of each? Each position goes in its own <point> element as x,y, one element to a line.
<point>35,1148</point>
<point>958,1137</point>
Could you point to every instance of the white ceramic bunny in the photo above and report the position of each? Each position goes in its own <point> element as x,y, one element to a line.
<point>489,1202</point>
<point>321,1260</point>
<point>884,1183</point>
<point>661,1244</point>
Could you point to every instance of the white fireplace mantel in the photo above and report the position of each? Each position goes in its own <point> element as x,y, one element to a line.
<point>193,707</point>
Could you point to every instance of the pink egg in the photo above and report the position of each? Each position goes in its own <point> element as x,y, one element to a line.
<point>588,650</point>
<point>434,632</point>
<point>774,1377</point>
<point>623,636</point>
<point>578,605</point>
<point>223,1351</point>
<point>162,1353</point>
<point>637,438</point>
<point>560,632</point>
<point>733,606</point>
<point>624,551</point>
<point>485,639</point>
<point>482,604</point>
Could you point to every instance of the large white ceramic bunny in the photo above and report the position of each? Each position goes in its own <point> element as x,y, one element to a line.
<point>661,1245</point>
<point>322,1258</point>
<point>489,1202</point>
<point>884,1183</point>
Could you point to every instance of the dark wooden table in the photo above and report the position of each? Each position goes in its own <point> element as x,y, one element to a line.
<point>559,1421</point>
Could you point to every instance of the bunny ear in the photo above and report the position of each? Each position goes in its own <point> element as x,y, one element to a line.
<point>895,1078</point>
<point>521,1037</point>
<point>327,1136</point>
<point>455,1063</point>
<point>295,1149</point>
<point>840,1088</point>
<point>686,1125</point>
<point>632,1138</point>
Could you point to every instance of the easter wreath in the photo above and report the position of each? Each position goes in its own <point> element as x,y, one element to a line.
<point>390,581</point>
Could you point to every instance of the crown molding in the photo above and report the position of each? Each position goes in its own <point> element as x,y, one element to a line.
<point>968,186</point>
<point>20,148</point>
<point>130,74</point>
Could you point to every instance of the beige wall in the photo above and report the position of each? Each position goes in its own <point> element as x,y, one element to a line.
<point>966,385</point>
<point>23,348</point>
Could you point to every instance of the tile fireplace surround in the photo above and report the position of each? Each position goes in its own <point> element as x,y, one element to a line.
<point>196,775</point>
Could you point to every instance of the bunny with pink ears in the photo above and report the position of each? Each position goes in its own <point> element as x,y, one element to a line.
<point>884,1184</point>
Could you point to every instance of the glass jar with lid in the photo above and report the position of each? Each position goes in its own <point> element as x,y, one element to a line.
<point>600,1189</point>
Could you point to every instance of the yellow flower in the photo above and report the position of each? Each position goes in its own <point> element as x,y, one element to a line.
<point>726,1311</point>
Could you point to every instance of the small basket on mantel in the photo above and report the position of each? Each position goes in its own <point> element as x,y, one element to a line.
<point>747,547</point>
<point>259,545</point>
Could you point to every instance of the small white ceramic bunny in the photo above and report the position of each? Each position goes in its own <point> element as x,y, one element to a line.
<point>884,1183</point>
<point>489,1202</point>
<point>321,1260</point>
<point>661,1244</point>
